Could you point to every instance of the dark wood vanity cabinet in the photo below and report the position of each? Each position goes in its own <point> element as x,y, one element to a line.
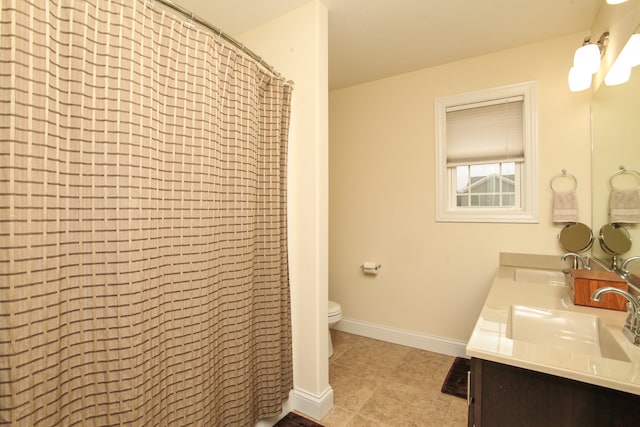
<point>505,396</point>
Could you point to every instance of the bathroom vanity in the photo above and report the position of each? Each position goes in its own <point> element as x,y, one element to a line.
<point>504,395</point>
<point>539,360</point>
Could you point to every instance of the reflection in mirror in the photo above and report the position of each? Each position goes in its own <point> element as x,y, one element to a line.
<point>614,239</point>
<point>616,142</point>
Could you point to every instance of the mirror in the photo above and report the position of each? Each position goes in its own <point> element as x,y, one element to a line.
<point>575,238</point>
<point>615,112</point>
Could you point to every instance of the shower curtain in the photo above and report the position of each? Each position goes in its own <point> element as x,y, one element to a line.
<point>143,268</point>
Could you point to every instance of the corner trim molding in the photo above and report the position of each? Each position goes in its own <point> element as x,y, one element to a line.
<point>400,336</point>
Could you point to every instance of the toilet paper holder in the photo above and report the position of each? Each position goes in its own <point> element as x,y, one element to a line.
<point>370,267</point>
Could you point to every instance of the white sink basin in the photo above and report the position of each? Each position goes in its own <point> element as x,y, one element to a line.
<point>575,332</point>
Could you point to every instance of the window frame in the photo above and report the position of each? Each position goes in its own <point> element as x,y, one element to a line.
<point>446,206</point>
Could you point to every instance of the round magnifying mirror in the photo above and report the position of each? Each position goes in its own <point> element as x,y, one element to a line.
<point>614,239</point>
<point>576,237</point>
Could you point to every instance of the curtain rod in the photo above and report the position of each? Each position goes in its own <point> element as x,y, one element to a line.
<point>195,18</point>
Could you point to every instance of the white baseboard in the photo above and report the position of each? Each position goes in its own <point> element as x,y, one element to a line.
<point>311,405</point>
<point>403,337</point>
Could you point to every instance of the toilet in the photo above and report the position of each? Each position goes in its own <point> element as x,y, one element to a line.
<point>335,315</point>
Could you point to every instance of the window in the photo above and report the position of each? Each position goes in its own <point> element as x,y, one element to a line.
<point>486,156</point>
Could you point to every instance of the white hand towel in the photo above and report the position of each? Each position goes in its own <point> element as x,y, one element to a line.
<point>565,206</point>
<point>624,207</point>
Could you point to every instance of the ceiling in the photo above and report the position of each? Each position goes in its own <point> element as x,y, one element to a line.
<point>373,39</point>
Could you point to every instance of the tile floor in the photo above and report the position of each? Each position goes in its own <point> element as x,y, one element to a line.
<point>380,384</point>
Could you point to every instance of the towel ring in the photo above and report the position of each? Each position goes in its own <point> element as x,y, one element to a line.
<point>624,171</point>
<point>563,174</point>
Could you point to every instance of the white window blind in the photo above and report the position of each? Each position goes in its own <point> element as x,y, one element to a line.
<point>485,131</point>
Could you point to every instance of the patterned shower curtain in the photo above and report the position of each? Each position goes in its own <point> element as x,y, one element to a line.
<point>143,267</point>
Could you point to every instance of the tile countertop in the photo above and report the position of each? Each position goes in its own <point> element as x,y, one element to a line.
<point>489,337</point>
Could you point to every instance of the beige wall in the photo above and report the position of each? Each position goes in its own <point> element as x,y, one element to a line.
<point>435,276</point>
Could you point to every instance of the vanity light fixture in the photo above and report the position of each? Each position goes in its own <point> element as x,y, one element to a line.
<point>629,57</point>
<point>616,1</point>
<point>579,80</point>
<point>587,57</point>
<point>586,62</point>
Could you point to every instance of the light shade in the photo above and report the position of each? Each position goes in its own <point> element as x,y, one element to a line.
<point>579,79</point>
<point>629,57</point>
<point>618,74</point>
<point>615,1</point>
<point>587,58</point>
